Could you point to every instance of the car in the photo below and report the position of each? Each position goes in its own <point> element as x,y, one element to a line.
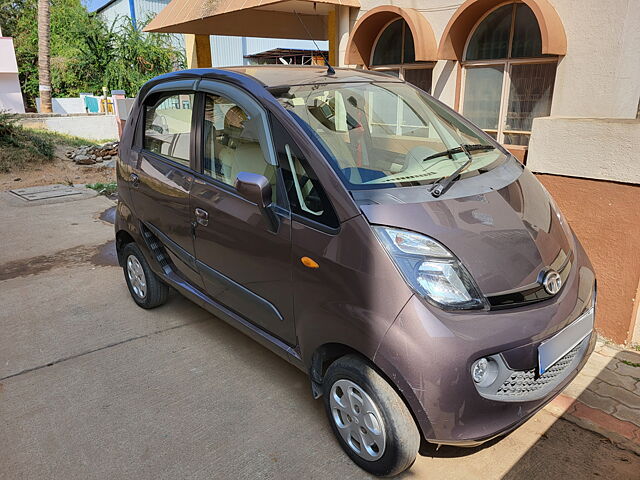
<point>420,275</point>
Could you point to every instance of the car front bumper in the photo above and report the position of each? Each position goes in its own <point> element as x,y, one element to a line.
<point>428,354</point>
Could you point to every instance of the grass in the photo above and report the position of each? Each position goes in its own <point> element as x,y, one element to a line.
<point>67,140</point>
<point>107,189</point>
<point>21,147</point>
<point>631,364</point>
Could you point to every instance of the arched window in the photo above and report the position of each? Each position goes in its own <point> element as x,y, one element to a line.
<point>508,81</point>
<point>394,53</point>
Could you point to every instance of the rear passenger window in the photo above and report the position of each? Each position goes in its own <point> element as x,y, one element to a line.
<point>167,129</point>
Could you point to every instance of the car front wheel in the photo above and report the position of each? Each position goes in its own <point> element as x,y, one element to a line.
<point>370,420</point>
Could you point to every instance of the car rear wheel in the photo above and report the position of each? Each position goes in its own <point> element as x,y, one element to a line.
<point>368,417</point>
<point>145,287</point>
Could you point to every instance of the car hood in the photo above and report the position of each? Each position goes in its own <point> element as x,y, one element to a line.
<point>504,236</point>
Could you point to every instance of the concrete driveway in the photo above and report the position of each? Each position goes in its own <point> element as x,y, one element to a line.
<point>91,386</point>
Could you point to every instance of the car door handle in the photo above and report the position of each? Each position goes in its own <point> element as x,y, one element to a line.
<point>135,180</point>
<point>202,217</point>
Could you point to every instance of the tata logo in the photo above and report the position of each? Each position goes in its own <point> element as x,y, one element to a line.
<point>552,282</point>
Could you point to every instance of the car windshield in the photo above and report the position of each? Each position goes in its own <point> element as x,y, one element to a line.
<point>387,134</point>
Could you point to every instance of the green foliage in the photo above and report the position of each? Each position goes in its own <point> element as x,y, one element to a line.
<point>67,140</point>
<point>86,54</point>
<point>19,146</point>
<point>107,189</point>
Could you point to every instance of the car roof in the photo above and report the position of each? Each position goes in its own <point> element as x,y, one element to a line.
<point>280,75</point>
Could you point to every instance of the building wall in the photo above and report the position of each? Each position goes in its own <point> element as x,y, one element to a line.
<point>118,12</point>
<point>10,93</point>
<point>604,216</point>
<point>593,135</point>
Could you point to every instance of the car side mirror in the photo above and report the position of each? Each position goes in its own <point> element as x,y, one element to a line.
<point>257,189</point>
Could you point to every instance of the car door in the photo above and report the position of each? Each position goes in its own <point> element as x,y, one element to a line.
<point>243,258</point>
<point>162,177</point>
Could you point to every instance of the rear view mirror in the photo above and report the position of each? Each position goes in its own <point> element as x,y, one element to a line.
<point>255,188</point>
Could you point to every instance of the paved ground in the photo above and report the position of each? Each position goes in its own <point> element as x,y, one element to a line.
<point>93,387</point>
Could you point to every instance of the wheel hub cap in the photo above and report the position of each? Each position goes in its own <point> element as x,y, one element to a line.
<point>136,276</point>
<point>358,419</point>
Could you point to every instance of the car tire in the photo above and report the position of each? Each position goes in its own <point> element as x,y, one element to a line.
<point>383,446</point>
<point>145,287</point>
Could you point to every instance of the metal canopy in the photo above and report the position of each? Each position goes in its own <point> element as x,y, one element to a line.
<point>255,18</point>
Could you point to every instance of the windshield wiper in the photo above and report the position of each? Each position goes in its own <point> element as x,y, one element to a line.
<point>444,183</point>
<point>462,148</point>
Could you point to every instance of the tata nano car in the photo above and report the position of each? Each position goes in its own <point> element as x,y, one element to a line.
<point>368,234</point>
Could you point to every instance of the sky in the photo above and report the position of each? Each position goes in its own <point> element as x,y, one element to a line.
<point>93,4</point>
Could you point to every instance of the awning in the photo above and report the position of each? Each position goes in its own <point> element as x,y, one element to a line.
<point>254,18</point>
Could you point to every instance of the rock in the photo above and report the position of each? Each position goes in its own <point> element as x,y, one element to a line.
<point>107,157</point>
<point>17,179</point>
<point>99,159</point>
<point>84,160</point>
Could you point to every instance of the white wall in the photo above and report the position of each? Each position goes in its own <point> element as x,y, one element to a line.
<point>95,127</point>
<point>10,94</point>
<point>600,75</point>
<point>605,149</point>
<point>65,105</point>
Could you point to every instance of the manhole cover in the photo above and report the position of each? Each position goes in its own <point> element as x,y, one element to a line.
<point>46,191</point>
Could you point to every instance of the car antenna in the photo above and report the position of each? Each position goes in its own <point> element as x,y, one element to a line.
<point>330,69</point>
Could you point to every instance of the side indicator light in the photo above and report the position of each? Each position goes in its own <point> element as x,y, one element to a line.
<point>309,263</point>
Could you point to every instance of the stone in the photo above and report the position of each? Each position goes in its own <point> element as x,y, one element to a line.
<point>80,158</point>
<point>594,400</point>
<point>627,414</point>
<point>107,157</point>
<point>618,395</point>
<point>624,381</point>
<point>84,160</point>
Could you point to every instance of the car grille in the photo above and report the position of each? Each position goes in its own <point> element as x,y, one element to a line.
<point>524,383</point>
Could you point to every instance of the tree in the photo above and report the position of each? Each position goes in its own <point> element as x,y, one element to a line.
<point>44,59</point>
<point>86,54</point>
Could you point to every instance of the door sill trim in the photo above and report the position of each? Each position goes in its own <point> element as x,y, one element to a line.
<point>274,344</point>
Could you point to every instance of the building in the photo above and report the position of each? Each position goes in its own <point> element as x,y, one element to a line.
<point>10,92</point>
<point>556,81</point>
<point>225,50</point>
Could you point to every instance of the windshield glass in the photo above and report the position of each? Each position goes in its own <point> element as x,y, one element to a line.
<point>378,135</point>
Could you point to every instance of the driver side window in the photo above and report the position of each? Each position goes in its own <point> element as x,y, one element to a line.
<point>306,196</point>
<point>232,142</point>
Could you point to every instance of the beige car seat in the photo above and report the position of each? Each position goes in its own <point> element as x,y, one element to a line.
<point>241,154</point>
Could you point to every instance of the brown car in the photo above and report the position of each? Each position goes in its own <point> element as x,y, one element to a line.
<point>363,231</point>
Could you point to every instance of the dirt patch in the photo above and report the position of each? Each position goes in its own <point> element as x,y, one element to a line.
<point>101,255</point>
<point>59,171</point>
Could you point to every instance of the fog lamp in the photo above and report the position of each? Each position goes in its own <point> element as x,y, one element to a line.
<point>484,371</point>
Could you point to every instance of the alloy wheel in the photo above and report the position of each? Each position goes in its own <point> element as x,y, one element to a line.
<point>358,419</point>
<point>135,272</point>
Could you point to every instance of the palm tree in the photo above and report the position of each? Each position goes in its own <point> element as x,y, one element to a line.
<point>44,58</point>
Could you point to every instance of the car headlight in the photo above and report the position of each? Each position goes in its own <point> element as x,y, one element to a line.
<point>431,269</point>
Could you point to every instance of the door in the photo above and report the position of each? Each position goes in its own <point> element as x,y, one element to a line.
<point>244,260</point>
<point>162,176</point>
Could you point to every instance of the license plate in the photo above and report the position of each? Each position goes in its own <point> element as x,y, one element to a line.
<point>552,350</point>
